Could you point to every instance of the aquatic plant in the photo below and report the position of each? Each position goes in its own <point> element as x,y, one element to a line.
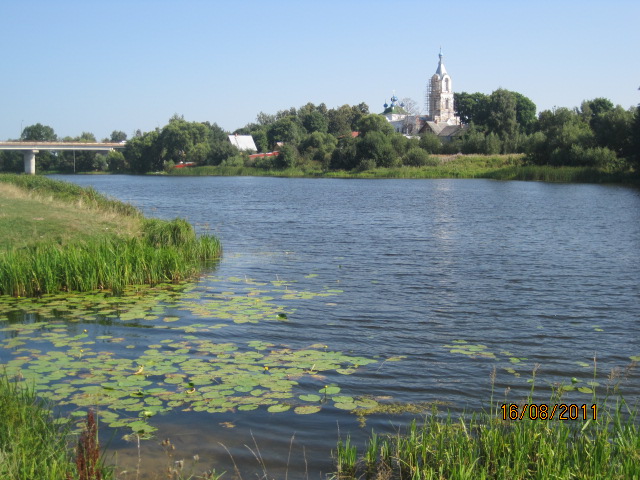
<point>108,263</point>
<point>180,370</point>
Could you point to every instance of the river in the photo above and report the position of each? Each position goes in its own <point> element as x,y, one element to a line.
<point>438,281</point>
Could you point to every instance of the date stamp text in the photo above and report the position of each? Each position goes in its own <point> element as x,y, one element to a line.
<point>542,411</point>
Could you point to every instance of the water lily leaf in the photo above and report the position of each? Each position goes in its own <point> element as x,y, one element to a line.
<point>330,390</point>
<point>343,399</point>
<point>307,409</point>
<point>345,406</point>
<point>367,403</point>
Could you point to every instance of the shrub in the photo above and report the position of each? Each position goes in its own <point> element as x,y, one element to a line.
<point>417,157</point>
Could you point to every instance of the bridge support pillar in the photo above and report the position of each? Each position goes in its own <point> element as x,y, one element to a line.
<point>30,162</point>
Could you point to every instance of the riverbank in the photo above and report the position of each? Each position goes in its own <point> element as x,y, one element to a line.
<point>496,167</point>
<point>56,236</point>
<point>587,441</point>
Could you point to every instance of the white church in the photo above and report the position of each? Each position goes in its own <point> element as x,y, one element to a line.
<point>440,117</point>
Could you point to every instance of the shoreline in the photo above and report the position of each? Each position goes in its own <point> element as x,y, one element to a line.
<point>60,237</point>
<point>494,167</point>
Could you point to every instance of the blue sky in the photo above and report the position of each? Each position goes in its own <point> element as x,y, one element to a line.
<point>99,66</point>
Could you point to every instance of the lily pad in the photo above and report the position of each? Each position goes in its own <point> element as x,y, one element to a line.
<point>280,407</point>
<point>307,409</point>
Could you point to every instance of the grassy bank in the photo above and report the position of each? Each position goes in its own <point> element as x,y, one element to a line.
<point>497,167</point>
<point>599,440</point>
<point>56,236</point>
<point>36,445</point>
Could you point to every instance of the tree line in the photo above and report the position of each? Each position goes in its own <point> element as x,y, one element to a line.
<point>596,134</point>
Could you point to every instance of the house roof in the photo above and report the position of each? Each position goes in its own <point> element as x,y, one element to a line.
<point>243,142</point>
<point>444,129</point>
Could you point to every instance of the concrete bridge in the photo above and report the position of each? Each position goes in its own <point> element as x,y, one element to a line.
<point>31,148</point>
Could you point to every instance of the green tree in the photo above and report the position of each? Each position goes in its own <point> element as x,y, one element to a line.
<point>286,130</point>
<point>11,161</point>
<point>430,142</point>
<point>417,157</point>
<point>179,138</point>
<point>319,146</point>
<point>38,133</point>
<point>315,122</point>
<point>374,123</point>
<point>265,119</point>
<point>345,155</point>
<point>116,162</point>
<point>118,136</point>
<point>471,107</point>
<point>502,119</point>
<point>377,146</point>
<point>221,151</point>
<point>473,141</point>
<point>635,141</point>
<point>340,120</point>
<point>613,128</point>
<point>525,113</point>
<point>143,152</point>
<point>560,129</point>
<point>261,140</point>
<point>47,160</point>
<point>592,109</point>
<point>287,158</point>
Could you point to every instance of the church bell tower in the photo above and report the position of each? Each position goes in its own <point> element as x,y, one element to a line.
<point>439,98</point>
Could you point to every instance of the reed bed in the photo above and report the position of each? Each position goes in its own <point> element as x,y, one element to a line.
<point>486,446</point>
<point>167,252</point>
<point>546,173</point>
<point>143,251</point>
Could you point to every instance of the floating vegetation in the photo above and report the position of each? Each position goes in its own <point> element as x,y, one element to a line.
<point>465,348</point>
<point>370,406</point>
<point>481,351</point>
<point>74,366</point>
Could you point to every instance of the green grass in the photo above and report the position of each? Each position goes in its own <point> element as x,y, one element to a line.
<point>44,187</point>
<point>56,236</point>
<point>488,446</point>
<point>34,444</point>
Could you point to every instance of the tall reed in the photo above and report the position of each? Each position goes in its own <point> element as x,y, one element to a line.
<point>34,444</point>
<point>166,252</point>
<point>486,446</point>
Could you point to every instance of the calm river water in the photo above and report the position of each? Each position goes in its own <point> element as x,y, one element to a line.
<point>440,281</point>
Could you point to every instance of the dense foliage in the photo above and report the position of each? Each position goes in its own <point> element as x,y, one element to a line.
<point>314,137</point>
